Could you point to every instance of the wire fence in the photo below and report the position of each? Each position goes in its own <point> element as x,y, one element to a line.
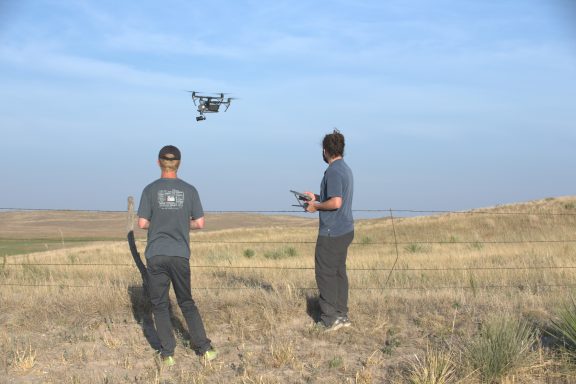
<point>532,288</point>
<point>256,267</point>
<point>390,214</point>
<point>497,211</point>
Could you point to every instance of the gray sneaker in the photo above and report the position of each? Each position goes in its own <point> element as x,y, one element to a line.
<point>336,325</point>
<point>345,321</point>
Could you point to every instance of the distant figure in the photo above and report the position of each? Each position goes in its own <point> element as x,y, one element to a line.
<point>335,233</point>
<point>169,209</point>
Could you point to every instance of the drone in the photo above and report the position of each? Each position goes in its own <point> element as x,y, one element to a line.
<point>209,104</point>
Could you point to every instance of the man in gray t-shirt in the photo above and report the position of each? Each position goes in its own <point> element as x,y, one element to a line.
<point>169,209</point>
<point>335,233</point>
<point>173,202</point>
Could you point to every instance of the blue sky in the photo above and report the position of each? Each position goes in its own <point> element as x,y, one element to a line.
<point>446,104</point>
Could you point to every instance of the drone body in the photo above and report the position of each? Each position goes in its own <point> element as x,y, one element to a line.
<point>209,104</point>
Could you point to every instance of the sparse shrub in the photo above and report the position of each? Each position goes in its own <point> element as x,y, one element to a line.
<point>282,354</point>
<point>436,367</point>
<point>414,248</point>
<point>282,253</point>
<point>215,256</point>
<point>569,206</point>
<point>502,345</point>
<point>24,359</point>
<point>3,269</point>
<point>274,255</point>
<point>35,272</point>
<point>336,362</point>
<point>392,342</point>
<point>477,246</point>
<point>564,328</point>
<point>72,258</point>
<point>249,253</point>
<point>365,240</point>
<point>473,285</point>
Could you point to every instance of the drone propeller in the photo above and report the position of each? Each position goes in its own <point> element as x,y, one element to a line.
<point>220,95</point>
<point>198,93</point>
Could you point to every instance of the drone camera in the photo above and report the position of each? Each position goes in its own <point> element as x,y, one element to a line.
<point>200,118</point>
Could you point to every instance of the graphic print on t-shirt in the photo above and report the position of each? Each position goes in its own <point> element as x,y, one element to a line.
<point>170,199</point>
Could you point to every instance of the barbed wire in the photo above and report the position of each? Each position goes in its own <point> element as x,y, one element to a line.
<point>368,243</point>
<point>545,267</point>
<point>493,211</point>
<point>521,287</point>
<point>362,243</point>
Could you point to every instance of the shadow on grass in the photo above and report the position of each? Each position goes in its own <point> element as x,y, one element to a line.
<point>143,314</point>
<point>313,306</point>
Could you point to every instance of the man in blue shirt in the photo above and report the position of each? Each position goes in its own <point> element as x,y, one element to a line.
<point>335,233</point>
<point>169,209</point>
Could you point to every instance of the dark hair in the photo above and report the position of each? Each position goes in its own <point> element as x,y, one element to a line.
<point>333,143</point>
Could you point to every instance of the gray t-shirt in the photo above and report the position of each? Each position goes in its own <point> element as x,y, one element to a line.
<point>169,204</point>
<point>337,182</point>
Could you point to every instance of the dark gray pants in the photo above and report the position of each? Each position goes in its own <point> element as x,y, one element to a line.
<point>331,277</point>
<point>161,271</point>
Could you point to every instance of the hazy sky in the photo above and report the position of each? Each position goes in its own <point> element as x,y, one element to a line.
<point>445,104</point>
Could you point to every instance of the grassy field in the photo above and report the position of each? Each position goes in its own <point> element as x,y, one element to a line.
<point>454,298</point>
<point>23,232</point>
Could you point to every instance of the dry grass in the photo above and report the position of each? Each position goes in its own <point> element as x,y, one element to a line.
<point>91,324</point>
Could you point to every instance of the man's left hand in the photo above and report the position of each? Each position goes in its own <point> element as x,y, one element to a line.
<point>311,207</point>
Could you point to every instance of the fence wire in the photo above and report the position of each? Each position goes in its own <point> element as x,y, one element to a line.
<point>388,214</point>
<point>385,212</point>
<point>523,287</point>
<point>296,268</point>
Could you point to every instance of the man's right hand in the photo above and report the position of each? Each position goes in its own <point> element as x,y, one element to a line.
<point>311,196</point>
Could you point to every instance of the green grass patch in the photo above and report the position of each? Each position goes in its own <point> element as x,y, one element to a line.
<point>416,248</point>
<point>249,253</point>
<point>336,362</point>
<point>10,247</point>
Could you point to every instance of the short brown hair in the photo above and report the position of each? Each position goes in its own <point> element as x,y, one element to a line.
<point>169,165</point>
<point>333,143</point>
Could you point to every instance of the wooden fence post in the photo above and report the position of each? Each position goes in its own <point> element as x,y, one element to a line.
<point>131,215</point>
